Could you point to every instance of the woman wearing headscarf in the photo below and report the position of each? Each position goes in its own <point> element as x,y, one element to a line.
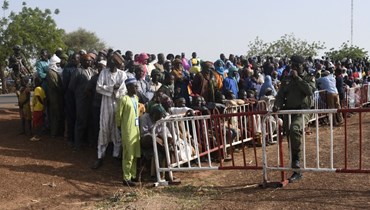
<point>204,82</point>
<point>229,83</point>
<point>219,73</point>
<point>267,84</point>
<point>142,59</point>
<point>181,81</point>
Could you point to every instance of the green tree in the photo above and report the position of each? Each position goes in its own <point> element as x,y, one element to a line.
<point>33,29</point>
<point>83,39</point>
<point>4,48</point>
<point>347,51</point>
<point>257,47</point>
<point>287,45</point>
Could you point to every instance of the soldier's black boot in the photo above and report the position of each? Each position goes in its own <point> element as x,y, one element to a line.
<point>295,177</point>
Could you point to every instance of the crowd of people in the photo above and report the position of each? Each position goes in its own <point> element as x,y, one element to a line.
<point>107,97</point>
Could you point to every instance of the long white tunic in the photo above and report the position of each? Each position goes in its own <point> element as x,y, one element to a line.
<point>108,129</point>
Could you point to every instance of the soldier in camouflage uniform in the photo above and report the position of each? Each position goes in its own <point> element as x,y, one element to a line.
<point>19,66</point>
<point>296,92</point>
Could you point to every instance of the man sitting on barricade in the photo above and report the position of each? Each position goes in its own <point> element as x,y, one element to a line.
<point>180,107</point>
<point>174,112</point>
<point>147,121</point>
<point>232,124</point>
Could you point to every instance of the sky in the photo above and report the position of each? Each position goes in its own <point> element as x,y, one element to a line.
<point>209,27</point>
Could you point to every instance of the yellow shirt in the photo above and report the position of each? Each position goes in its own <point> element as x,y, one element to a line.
<point>37,106</point>
<point>194,69</point>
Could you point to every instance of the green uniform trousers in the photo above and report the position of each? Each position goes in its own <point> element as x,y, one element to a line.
<point>295,132</point>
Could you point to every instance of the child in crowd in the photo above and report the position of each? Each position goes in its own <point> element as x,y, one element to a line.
<point>127,119</point>
<point>38,109</point>
<point>24,99</point>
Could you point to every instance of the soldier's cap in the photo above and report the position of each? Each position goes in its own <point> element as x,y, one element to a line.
<point>16,47</point>
<point>297,59</point>
<point>311,71</point>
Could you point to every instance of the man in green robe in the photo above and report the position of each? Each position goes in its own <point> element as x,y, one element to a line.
<point>127,119</point>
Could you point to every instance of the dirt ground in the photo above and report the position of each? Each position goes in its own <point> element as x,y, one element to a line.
<point>49,175</point>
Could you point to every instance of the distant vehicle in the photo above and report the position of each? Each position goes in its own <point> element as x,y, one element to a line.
<point>9,85</point>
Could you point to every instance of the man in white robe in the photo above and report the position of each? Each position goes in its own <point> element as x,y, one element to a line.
<point>111,84</point>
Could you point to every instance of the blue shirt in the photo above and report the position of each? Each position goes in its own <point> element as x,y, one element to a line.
<point>230,84</point>
<point>42,68</point>
<point>327,83</point>
<point>280,71</point>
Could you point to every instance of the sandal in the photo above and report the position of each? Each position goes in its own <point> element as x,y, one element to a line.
<point>35,139</point>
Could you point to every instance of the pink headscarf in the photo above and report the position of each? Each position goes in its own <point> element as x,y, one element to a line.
<point>142,57</point>
<point>141,60</point>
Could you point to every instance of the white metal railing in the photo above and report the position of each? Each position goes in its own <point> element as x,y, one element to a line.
<point>268,163</point>
<point>187,135</point>
<point>319,102</point>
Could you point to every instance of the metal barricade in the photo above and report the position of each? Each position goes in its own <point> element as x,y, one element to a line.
<point>243,128</point>
<point>353,97</point>
<point>365,95</point>
<point>319,158</point>
<point>249,129</point>
<point>320,102</point>
<point>199,143</point>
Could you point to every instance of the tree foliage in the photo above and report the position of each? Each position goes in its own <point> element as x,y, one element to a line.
<point>33,29</point>
<point>83,39</point>
<point>347,51</point>
<point>5,5</point>
<point>4,50</point>
<point>287,45</point>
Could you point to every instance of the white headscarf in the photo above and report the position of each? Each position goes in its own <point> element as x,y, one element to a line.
<point>53,62</point>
